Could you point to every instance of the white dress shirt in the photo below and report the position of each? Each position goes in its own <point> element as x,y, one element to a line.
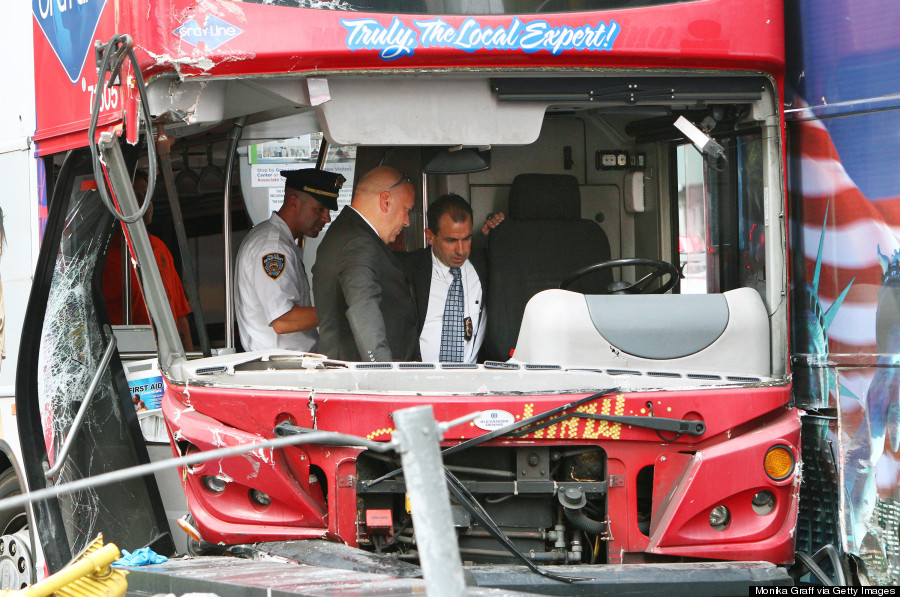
<point>430,340</point>
<point>270,280</point>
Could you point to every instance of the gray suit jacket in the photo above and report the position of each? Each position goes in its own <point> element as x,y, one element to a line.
<point>365,303</point>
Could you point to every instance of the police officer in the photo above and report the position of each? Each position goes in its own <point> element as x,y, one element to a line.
<point>272,292</point>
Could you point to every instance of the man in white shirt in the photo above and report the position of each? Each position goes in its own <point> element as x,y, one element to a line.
<point>272,292</point>
<point>433,272</point>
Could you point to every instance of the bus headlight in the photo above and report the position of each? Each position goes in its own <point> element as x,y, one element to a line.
<point>215,484</point>
<point>719,517</point>
<point>763,502</point>
<point>258,497</point>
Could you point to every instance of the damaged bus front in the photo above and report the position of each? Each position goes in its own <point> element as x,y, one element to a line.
<point>634,395</point>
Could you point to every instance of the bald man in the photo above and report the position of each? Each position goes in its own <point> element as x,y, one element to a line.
<point>363,298</point>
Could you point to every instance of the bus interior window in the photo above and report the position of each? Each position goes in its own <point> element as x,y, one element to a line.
<point>720,217</point>
<point>201,211</point>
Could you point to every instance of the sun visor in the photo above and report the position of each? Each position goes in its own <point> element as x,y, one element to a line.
<point>446,111</point>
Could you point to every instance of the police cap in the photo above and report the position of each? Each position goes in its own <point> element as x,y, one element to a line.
<point>322,185</point>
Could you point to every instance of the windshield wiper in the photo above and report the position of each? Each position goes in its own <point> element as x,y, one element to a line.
<point>679,426</point>
<point>508,430</point>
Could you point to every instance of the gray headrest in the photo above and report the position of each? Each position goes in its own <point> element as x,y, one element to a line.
<point>545,197</point>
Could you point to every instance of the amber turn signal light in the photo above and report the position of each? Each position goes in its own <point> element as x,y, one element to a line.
<point>779,463</point>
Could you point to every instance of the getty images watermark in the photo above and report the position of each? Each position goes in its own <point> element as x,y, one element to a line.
<point>849,591</point>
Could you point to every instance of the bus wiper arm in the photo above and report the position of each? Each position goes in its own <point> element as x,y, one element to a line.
<point>516,427</point>
<point>508,430</point>
<point>679,426</point>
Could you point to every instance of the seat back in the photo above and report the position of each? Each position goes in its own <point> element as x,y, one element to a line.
<point>715,337</point>
<point>541,242</point>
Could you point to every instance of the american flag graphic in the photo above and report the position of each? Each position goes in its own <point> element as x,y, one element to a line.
<point>855,230</point>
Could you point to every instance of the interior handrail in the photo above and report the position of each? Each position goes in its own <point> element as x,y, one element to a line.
<point>62,455</point>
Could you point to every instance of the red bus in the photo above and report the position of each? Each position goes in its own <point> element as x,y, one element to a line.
<point>635,390</point>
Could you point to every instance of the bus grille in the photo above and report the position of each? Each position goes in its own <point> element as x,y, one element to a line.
<point>817,524</point>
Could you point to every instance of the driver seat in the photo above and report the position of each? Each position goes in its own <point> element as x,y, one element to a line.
<point>542,240</point>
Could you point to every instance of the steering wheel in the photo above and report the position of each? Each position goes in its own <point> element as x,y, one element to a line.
<point>660,268</point>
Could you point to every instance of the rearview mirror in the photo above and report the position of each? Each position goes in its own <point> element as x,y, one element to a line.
<point>452,160</point>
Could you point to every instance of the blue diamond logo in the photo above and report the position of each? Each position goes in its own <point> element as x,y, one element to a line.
<point>69,26</point>
<point>213,32</point>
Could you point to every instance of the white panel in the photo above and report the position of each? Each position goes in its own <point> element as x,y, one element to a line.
<point>20,208</point>
<point>604,199</point>
<point>544,156</point>
<point>485,200</point>
<point>19,203</point>
<point>445,111</point>
<point>438,382</point>
<point>17,102</point>
<point>200,102</point>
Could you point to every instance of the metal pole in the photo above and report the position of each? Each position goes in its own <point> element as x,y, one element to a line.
<point>63,454</point>
<point>235,135</point>
<point>420,230</point>
<point>142,470</point>
<point>193,294</point>
<point>167,339</point>
<point>126,278</point>
<point>323,149</point>
<point>429,500</point>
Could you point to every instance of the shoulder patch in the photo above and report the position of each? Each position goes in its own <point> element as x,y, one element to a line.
<point>273,264</point>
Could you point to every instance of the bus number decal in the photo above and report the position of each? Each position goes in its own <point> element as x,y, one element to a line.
<point>399,40</point>
<point>109,98</point>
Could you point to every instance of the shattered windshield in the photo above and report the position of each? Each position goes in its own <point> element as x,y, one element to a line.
<point>73,341</point>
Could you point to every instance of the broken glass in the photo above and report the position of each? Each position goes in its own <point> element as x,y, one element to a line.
<point>73,340</point>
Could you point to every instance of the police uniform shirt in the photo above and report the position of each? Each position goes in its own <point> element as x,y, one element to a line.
<point>430,339</point>
<point>269,281</point>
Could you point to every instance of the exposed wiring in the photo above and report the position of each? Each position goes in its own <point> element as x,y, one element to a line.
<point>120,47</point>
<point>465,498</point>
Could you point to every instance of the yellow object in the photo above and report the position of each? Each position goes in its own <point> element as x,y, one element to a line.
<point>189,529</point>
<point>408,509</point>
<point>88,575</point>
<point>779,463</point>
